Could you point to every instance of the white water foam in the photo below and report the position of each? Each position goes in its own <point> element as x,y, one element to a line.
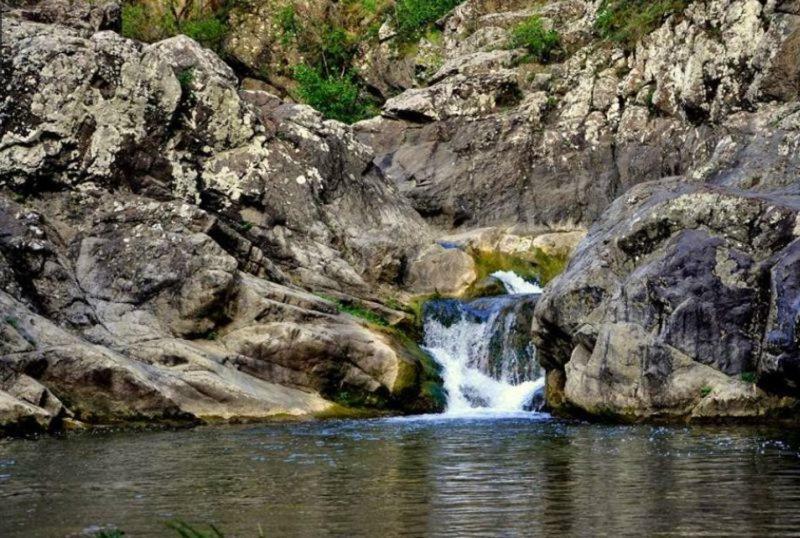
<point>463,351</point>
<point>515,284</point>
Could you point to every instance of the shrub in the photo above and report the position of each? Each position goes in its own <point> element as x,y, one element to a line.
<point>532,35</point>
<point>146,24</point>
<point>627,21</point>
<point>748,377</point>
<point>412,17</point>
<point>185,78</point>
<point>143,24</point>
<point>336,97</point>
<point>287,22</point>
<point>209,31</point>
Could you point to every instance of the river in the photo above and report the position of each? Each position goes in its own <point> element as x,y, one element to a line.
<point>488,466</point>
<point>518,475</point>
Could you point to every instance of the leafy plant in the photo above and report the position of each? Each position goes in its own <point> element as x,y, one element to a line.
<point>145,23</point>
<point>185,78</point>
<point>288,23</point>
<point>748,377</point>
<point>540,42</point>
<point>209,31</point>
<point>627,21</point>
<point>211,335</point>
<point>705,391</point>
<point>338,97</point>
<point>412,17</point>
<point>13,321</point>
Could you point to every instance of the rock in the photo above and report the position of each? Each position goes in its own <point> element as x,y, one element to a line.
<point>442,270</point>
<point>667,307</point>
<point>558,244</point>
<point>86,17</point>
<point>569,137</point>
<point>21,418</point>
<point>144,199</point>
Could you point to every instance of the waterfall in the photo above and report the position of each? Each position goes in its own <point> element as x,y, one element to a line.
<point>488,361</point>
<point>515,284</point>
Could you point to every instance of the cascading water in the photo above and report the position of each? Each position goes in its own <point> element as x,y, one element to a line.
<point>488,362</point>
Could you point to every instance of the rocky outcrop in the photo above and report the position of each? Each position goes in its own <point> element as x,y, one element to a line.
<point>158,228</point>
<point>680,303</point>
<point>493,138</point>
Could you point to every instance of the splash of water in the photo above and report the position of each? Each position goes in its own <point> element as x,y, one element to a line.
<point>488,363</point>
<point>515,284</point>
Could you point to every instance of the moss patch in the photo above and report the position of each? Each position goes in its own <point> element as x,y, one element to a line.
<point>536,265</point>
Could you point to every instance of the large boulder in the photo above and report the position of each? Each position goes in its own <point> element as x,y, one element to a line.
<point>679,303</point>
<point>145,200</point>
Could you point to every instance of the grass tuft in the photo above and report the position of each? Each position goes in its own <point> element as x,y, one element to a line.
<point>627,21</point>
<point>541,44</point>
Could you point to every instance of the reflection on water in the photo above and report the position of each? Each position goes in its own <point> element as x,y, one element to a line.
<point>513,477</point>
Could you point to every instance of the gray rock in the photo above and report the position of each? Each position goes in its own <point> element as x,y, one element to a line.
<point>677,295</point>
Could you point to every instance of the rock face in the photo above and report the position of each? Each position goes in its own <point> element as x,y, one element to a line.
<point>144,201</point>
<point>681,302</point>
<point>492,139</point>
<point>168,233</point>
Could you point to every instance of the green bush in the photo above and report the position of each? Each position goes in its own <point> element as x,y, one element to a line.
<point>749,377</point>
<point>412,17</point>
<point>532,35</point>
<point>337,97</point>
<point>627,21</point>
<point>209,32</point>
<point>144,24</point>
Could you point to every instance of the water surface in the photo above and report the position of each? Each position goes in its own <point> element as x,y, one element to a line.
<point>518,475</point>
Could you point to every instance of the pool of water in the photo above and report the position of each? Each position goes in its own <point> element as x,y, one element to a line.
<point>518,475</point>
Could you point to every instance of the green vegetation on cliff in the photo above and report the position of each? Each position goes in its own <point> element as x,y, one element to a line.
<point>413,17</point>
<point>152,22</point>
<point>541,43</point>
<point>627,21</point>
<point>338,97</point>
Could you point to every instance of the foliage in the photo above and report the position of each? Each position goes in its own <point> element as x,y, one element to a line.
<point>748,377</point>
<point>185,78</point>
<point>145,23</point>
<point>209,31</point>
<point>13,321</point>
<point>338,97</point>
<point>288,23</point>
<point>412,17</point>
<point>705,391</point>
<point>627,21</point>
<point>532,35</point>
